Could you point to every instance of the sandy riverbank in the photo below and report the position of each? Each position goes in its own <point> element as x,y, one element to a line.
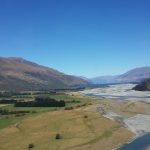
<point>123,91</point>
<point>121,103</point>
<point>138,124</point>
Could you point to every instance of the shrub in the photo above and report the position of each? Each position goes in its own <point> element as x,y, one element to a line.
<point>78,106</point>
<point>30,146</point>
<point>33,112</point>
<point>84,104</point>
<point>68,108</point>
<point>58,136</point>
<point>19,115</point>
<point>90,104</point>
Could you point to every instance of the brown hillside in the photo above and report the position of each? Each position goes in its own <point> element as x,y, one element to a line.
<point>20,74</point>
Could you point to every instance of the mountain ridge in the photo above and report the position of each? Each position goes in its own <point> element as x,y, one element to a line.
<point>133,75</point>
<point>20,74</point>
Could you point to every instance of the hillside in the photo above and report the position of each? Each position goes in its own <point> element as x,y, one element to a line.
<point>134,75</point>
<point>102,79</point>
<point>143,86</point>
<point>17,74</point>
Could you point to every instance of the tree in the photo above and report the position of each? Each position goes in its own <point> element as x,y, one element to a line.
<point>58,136</point>
<point>30,146</point>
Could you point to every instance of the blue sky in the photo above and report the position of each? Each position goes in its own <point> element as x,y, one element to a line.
<point>80,37</point>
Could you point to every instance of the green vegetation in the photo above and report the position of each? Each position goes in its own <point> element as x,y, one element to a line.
<point>11,115</point>
<point>75,125</point>
<point>58,136</point>
<point>41,102</point>
<point>30,146</point>
<point>12,119</point>
<point>59,130</point>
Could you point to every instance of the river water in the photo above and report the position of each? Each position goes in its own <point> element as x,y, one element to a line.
<point>141,143</point>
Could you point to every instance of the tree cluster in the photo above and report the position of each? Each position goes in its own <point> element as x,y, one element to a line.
<point>8,101</point>
<point>8,112</point>
<point>41,102</point>
<point>9,94</point>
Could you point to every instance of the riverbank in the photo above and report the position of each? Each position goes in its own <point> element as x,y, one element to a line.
<point>121,92</point>
<point>140,143</point>
<point>139,125</point>
<point>129,107</point>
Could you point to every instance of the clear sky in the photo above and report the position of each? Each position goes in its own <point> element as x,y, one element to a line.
<point>80,37</point>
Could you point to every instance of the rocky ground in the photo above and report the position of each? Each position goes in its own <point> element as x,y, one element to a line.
<point>121,92</point>
<point>121,103</point>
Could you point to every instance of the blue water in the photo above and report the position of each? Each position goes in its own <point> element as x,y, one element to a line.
<point>140,143</point>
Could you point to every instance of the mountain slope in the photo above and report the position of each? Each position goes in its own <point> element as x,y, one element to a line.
<point>20,74</point>
<point>143,86</point>
<point>134,75</point>
<point>102,79</point>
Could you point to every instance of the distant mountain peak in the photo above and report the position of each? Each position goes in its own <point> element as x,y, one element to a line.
<point>134,75</point>
<point>13,58</point>
<point>139,69</point>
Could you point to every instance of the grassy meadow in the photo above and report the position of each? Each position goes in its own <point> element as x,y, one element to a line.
<point>80,128</point>
<point>71,101</point>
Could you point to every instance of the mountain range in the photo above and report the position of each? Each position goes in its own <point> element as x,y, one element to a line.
<point>18,74</point>
<point>134,75</point>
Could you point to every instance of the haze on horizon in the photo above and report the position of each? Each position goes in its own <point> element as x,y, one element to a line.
<point>82,37</point>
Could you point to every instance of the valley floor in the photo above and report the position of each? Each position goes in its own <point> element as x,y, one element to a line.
<point>82,128</point>
<point>91,124</point>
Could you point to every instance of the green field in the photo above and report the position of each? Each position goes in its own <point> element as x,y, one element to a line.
<point>80,128</point>
<point>6,120</point>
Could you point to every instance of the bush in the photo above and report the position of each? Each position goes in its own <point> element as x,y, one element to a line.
<point>78,106</point>
<point>19,115</point>
<point>90,104</point>
<point>85,116</point>
<point>68,108</point>
<point>33,112</point>
<point>84,104</point>
<point>30,146</point>
<point>58,136</point>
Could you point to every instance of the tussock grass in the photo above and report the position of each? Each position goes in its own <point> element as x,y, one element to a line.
<point>75,129</point>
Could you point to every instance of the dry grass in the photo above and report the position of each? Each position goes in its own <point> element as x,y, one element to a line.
<point>139,107</point>
<point>78,132</point>
<point>125,108</point>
